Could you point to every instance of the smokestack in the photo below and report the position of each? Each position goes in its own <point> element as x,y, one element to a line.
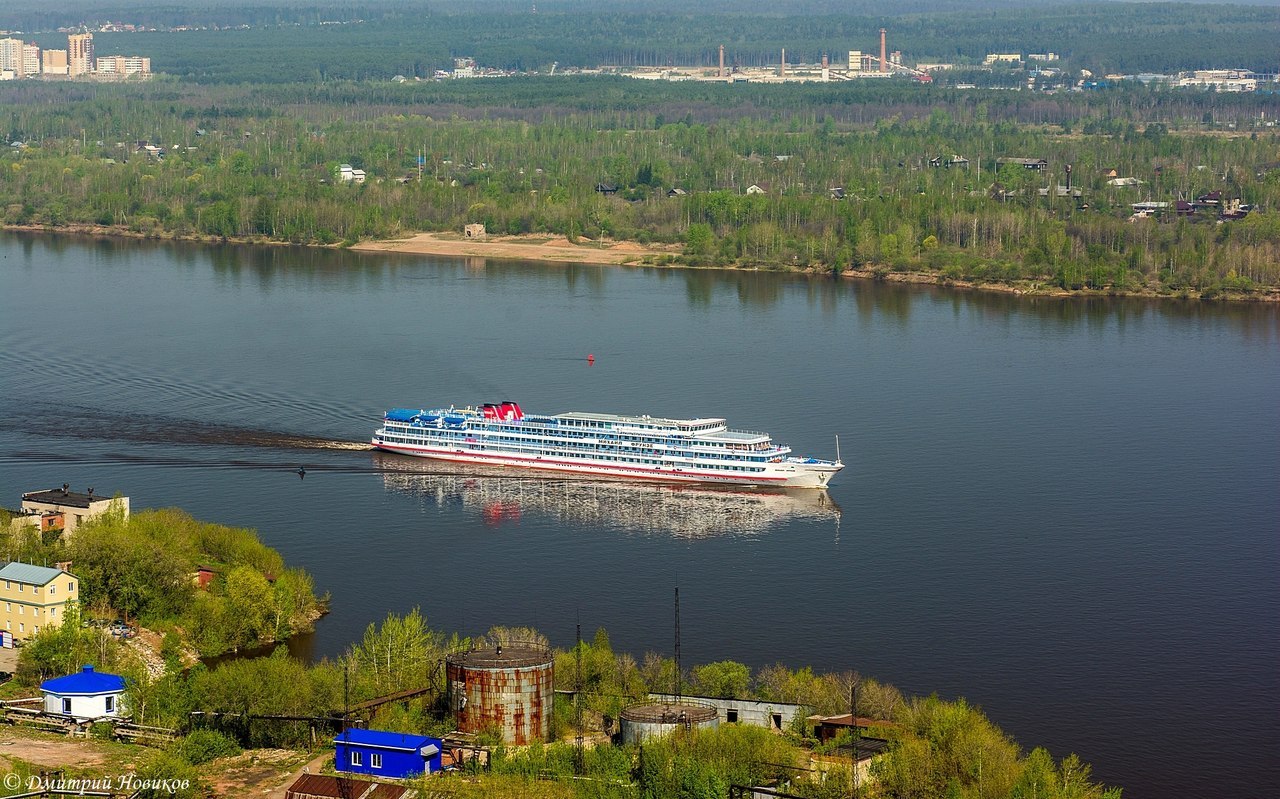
<point>884,64</point>
<point>782,68</point>
<point>825,65</point>
<point>721,73</point>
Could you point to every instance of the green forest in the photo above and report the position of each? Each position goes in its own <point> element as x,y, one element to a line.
<point>140,570</point>
<point>845,173</point>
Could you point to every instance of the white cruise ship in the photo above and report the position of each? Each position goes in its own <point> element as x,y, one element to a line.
<point>628,447</point>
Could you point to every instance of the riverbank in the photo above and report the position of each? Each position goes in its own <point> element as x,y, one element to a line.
<point>550,248</point>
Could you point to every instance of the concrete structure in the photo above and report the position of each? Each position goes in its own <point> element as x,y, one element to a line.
<point>80,59</point>
<point>776,716</point>
<point>509,688</point>
<point>474,231</point>
<point>75,507</point>
<point>32,597</point>
<point>123,65</point>
<point>54,62</point>
<point>855,60</point>
<point>657,719</point>
<point>11,56</point>
<point>322,786</point>
<point>30,60</point>
<point>1002,58</point>
<point>386,754</point>
<point>84,696</point>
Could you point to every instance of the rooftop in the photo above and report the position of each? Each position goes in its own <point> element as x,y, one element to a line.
<point>385,740</point>
<point>63,496</point>
<point>87,681</point>
<point>345,788</point>
<point>502,657</point>
<point>29,574</point>
<point>669,712</point>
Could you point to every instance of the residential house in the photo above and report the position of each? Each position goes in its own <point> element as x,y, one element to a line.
<point>837,193</point>
<point>607,188</point>
<point>348,174</point>
<point>758,188</point>
<point>677,192</point>
<point>1124,182</point>
<point>1026,163</point>
<point>1211,200</point>
<point>386,754</point>
<point>949,161</point>
<point>34,597</point>
<point>85,695</point>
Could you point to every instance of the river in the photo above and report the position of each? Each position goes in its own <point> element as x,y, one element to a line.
<point>1064,511</point>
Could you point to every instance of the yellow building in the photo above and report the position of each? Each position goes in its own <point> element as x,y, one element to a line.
<point>54,62</point>
<point>80,53</point>
<point>33,597</point>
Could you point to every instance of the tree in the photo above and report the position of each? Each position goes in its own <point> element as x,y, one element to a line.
<point>725,679</point>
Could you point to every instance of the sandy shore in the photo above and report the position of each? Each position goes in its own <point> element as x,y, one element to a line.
<point>528,248</point>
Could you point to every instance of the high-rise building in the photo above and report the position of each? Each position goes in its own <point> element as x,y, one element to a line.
<point>53,62</point>
<point>11,56</point>
<point>80,54</point>
<point>30,60</point>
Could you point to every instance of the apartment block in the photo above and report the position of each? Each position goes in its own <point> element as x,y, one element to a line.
<point>33,597</point>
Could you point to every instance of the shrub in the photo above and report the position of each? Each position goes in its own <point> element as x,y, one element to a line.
<point>202,746</point>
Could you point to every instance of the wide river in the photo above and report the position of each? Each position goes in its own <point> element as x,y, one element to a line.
<point>1064,511</point>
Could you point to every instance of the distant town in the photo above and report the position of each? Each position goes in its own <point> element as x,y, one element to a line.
<point>19,60</point>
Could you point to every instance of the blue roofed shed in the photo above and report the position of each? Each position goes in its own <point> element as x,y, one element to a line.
<point>87,694</point>
<point>386,754</point>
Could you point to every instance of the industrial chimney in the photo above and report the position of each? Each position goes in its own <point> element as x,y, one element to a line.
<point>884,63</point>
<point>782,68</point>
<point>721,72</point>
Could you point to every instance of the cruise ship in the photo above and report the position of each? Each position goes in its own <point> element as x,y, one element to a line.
<point>601,444</point>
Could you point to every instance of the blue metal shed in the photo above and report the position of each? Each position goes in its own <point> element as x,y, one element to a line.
<point>386,754</point>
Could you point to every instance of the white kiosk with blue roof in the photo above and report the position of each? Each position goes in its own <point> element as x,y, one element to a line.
<point>85,695</point>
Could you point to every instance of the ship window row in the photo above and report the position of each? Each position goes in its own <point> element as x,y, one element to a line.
<point>736,451</point>
<point>541,447</point>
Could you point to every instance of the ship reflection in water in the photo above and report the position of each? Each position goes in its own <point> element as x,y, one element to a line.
<point>503,496</point>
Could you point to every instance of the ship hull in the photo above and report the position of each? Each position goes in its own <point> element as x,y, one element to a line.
<point>787,474</point>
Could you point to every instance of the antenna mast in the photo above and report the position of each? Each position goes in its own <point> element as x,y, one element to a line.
<point>677,686</point>
<point>577,707</point>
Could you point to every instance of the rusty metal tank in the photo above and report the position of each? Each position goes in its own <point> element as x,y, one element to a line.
<point>656,719</point>
<point>508,688</point>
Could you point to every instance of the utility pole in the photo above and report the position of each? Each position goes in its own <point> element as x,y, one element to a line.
<point>677,685</point>
<point>577,708</point>
<point>853,721</point>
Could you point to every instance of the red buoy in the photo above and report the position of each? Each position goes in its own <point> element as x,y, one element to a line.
<point>591,358</point>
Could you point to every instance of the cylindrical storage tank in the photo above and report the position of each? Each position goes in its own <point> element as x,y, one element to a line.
<point>655,719</point>
<point>508,688</point>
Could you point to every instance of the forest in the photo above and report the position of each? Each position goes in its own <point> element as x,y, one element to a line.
<point>140,570</point>
<point>886,177</point>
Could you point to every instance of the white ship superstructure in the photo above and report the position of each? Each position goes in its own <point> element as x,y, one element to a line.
<point>629,447</point>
